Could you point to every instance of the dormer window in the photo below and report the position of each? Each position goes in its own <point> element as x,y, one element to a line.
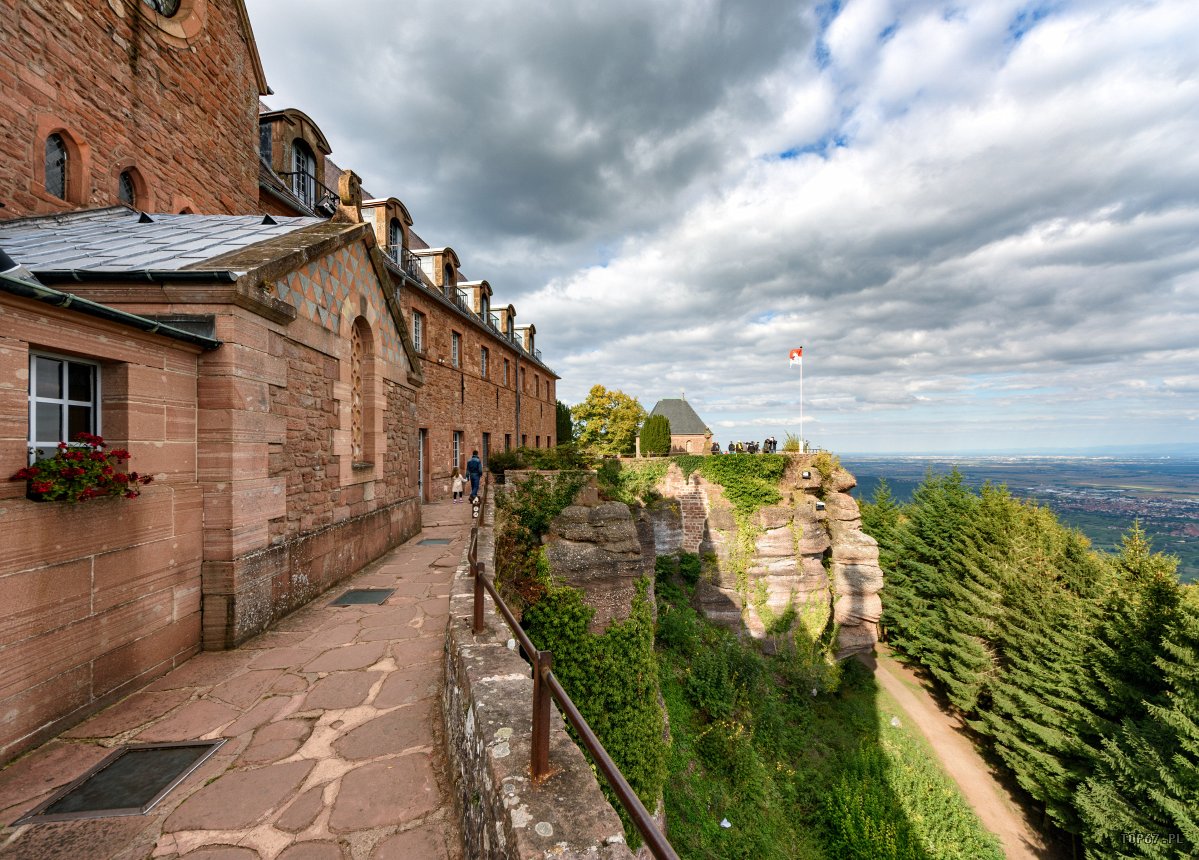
<point>303,177</point>
<point>165,8</point>
<point>56,166</point>
<point>395,234</point>
<point>449,278</point>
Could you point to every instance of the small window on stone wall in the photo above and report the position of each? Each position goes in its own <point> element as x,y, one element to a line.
<point>56,166</point>
<point>166,8</point>
<point>418,332</point>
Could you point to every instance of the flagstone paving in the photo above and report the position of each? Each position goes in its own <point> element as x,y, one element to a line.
<point>335,740</point>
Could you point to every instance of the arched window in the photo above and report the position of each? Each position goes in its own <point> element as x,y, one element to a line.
<point>303,177</point>
<point>395,234</point>
<point>449,277</point>
<point>165,8</point>
<point>56,166</point>
<point>359,378</point>
<point>127,188</point>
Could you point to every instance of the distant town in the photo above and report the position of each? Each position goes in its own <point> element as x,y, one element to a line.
<point>1100,496</point>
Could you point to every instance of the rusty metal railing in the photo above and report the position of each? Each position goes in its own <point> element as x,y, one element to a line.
<point>546,687</point>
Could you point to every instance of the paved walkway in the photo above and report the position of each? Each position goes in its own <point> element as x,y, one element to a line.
<point>335,747</point>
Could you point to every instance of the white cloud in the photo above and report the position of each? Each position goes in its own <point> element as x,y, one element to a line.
<point>985,236</point>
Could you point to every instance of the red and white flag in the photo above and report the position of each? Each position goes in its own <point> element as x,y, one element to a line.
<point>796,356</point>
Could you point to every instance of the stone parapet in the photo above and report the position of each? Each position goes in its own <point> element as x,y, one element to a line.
<point>487,708</point>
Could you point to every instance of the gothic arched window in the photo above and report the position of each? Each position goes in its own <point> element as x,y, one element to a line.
<point>357,426</point>
<point>127,188</point>
<point>56,166</point>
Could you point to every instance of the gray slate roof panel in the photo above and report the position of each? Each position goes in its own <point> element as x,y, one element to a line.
<point>112,239</point>
<point>683,419</point>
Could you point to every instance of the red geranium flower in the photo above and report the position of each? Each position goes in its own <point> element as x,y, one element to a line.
<point>82,471</point>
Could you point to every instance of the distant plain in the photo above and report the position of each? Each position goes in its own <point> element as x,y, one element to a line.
<point>1099,496</point>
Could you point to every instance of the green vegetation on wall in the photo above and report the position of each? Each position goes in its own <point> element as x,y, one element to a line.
<point>750,481</point>
<point>613,679</point>
<point>631,481</point>
<point>523,516</point>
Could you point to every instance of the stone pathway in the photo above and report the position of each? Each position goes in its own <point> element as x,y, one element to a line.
<point>335,747</point>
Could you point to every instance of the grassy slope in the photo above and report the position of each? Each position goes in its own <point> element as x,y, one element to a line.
<point>805,777</point>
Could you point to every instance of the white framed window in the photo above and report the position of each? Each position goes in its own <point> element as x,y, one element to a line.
<point>483,361</point>
<point>303,177</point>
<point>507,366</point>
<point>457,464</point>
<point>64,400</point>
<point>418,332</point>
<point>456,349</point>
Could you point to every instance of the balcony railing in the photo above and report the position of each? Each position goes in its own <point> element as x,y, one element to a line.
<point>319,198</point>
<point>461,299</point>
<point>406,260</point>
<point>546,686</point>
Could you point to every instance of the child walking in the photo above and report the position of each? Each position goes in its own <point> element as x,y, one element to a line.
<point>457,484</point>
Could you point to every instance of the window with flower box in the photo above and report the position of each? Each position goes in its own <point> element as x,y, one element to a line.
<point>64,400</point>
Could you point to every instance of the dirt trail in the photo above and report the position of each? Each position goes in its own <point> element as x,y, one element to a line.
<point>982,791</point>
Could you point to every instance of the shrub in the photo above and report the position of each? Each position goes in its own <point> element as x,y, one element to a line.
<point>791,444</point>
<point>655,436</point>
<point>502,461</point>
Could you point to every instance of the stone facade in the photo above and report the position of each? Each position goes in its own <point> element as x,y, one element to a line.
<point>290,507</point>
<point>174,101</point>
<point>99,598</point>
<point>463,399</point>
<point>286,460</point>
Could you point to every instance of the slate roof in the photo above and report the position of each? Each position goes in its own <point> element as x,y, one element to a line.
<point>682,418</point>
<point>112,239</point>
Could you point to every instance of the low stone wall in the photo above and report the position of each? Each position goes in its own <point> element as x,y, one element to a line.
<point>488,712</point>
<point>244,597</point>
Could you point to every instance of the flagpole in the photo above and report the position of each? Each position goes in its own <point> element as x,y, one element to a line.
<point>803,447</point>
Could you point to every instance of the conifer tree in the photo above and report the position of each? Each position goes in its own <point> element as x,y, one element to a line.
<point>1050,585</point>
<point>655,436</point>
<point>914,599</point>
<point>1129,691</point>
<point>1177,791</point>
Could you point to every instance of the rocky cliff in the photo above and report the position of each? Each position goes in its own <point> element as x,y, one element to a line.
<point>795,563</point>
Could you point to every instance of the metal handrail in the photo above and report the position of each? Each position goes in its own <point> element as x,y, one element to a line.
<point>546,686</point>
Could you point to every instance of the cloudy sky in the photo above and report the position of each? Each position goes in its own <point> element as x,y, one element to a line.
<point>980,220</point>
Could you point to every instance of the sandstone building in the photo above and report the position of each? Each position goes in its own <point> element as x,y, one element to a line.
<point>296,366</point>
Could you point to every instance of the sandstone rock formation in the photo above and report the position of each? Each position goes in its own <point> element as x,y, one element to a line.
<point>808,558</point>
<point>595,546</point>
